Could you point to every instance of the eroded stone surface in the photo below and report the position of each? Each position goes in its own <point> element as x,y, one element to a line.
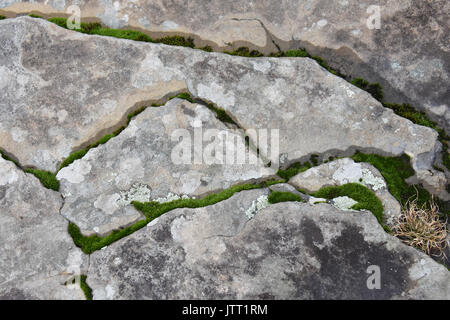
<point>37,255</point>
<point>343,171</point>
<point>139,164</point>
<point>287,251</point>
<point>296,96</point>
<point>408,53</point>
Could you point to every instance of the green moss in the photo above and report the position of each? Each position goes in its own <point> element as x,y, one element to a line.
<point>121,34</point>
<point>177,41</point>
<point>293,170</point>
<point>151,210</point>
<point>85,287</point>
<point>278,196</point>
<point>48,179</point>
<point>296,53</point>
<point>395,170</point>
<point>206,48</point>
<point>4,156</point>
<point>72,157</point>
<point>374,89</point>
<point>365,197</point>
<point>245,52</point>
<point>2,17</point>
<point>35,16</point>
<point>183,95</point>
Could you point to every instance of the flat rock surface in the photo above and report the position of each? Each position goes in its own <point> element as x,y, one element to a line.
<point>288,250</point>
<point>343,171</point>
<point>139,165</point>
<point>408,53</point>
<point>316,112</point>
<point>37,255</point>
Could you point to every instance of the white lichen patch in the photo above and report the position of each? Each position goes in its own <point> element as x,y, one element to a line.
<point>344,203</point>
<point>172,197</point>
<point>138,192</point>
<point>257,205</point>
<point>368,179</point>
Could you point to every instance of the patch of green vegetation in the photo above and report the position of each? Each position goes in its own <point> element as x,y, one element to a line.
<point>85,287</point>
<point>205,48</point>
<point>296,53</point>
<point>293,170</point>
<point>278,196</point>
<point>245,52</point>
<point>32,15</point>
<point>2,17</point>
<point>48,179</point>
<point>395,170</point>
<point>374,89</point>
<point>177,41</point>
<point>184,96</point>
<point>4,156</point>
<point>72,157</point>
<point>298,167</point>
<point>95,28</point>
<point>365,197</point>
<point>151,211</point>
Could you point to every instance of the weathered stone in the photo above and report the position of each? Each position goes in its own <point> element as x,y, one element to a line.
<point>342,171</point>
<point>306,98</point>
<point>287,251</point>
<point>139,165</point>
<point>37,255</point>
<point>408,53</point>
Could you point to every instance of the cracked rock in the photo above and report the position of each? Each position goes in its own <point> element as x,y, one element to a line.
<point>142,155</point>
<point>408,52</point>
<point>41,128</point>
<point>288,250</point>
<point>343,171</point>
<point>37,255</point>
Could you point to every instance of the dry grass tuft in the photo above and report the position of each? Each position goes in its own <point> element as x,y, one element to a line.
<point>422,227</point>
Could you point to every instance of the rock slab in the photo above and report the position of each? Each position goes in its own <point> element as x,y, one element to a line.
<point>288,250</point>
<point>140,164</point>
<point>37,255</point>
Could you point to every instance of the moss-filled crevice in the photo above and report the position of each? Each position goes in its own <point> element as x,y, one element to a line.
<point>47,178</point>
<point>85,287</point>
<point>152,210</point>
<point>365,197</point>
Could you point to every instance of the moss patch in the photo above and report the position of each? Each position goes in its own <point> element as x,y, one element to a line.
<point>245,52</point>
<point>278,196</point>
<point>2,17</point>
<point>85,287</point>
<point>151,211</point>
<point>365,197</point>
<point>47,178</point>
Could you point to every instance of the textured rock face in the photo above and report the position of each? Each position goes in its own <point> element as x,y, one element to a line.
<point>342,171</point>
<point>287,251</point>
<point>408,54</point>
<point>139,164</point>
<point>306,98</point>
<point>37,255</point>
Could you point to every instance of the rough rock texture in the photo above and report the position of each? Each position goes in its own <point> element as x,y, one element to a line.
<point>342,171</point>
<point>287,251</point>
<point>316,112</point>
<point>97,187</point>
<point>37,255</point>
<point>408,54</point>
